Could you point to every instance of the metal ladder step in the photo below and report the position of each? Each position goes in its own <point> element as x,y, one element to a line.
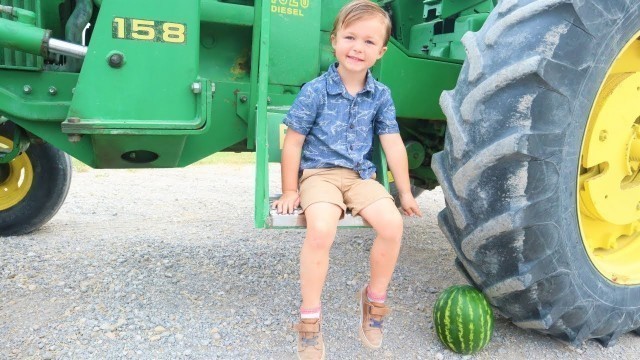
<point>298,220</point>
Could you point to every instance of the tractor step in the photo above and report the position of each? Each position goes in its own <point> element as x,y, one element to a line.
<point>297,219</point>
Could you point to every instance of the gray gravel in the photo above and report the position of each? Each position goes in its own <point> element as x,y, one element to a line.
<point>166,264</point>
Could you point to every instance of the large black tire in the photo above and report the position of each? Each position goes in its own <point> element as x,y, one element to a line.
<point>51,177</point>
<point>509,170</point>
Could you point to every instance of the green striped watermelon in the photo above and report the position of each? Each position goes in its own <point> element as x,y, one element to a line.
<point>463,319</point>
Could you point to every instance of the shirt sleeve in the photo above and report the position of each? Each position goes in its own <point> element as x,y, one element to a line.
<point>303,111</point>
<point>384,121</point>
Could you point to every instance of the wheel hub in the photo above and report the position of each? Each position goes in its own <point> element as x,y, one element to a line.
<point>16,177</point>
<point>609,182</point>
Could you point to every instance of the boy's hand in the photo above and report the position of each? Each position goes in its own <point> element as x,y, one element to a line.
<point>409,205</point>
<point>288,202</point>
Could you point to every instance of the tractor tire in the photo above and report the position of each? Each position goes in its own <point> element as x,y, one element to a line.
<point>33,186</point>
<point>514,167</point>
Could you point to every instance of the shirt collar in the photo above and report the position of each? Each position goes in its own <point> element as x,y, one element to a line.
<point>335,85</point>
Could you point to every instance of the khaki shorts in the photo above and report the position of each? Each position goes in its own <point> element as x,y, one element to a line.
<point>340,186</point>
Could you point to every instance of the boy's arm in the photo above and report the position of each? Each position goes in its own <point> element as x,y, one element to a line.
<point>290,164</point>
<point>397,159</point>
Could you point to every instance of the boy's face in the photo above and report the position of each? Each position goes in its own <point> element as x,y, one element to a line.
<point>359,45</point>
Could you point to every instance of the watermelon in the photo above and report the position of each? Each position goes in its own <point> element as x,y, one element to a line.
<point>463,319</point>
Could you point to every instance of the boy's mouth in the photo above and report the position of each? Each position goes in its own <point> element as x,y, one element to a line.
<point>352,58</point>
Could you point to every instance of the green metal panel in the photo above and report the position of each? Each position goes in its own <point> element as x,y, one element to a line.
<point>28,95</point>
<point>330,9</point>
<point>159,47</point>
<point>416,82</point>
<point>227,128</point>
<point>426,38</point>
<point>221,12</point>
<point>132,150</point>
<point>295,35</point>
<point>262,166</point>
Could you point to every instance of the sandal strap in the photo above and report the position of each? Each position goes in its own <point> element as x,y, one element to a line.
<point>379,311</point>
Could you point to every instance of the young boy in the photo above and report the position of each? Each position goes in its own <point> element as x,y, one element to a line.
<point>327,151</point>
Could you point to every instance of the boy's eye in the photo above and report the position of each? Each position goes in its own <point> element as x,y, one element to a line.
<point>349,37</point>
<point>370,42</point>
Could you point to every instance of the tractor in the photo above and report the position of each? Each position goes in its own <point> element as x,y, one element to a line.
<point>515,108</point>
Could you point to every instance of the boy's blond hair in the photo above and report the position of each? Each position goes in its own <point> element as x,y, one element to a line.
<point>361,9</point>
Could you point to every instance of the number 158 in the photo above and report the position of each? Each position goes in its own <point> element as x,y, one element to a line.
<point>137,29</point>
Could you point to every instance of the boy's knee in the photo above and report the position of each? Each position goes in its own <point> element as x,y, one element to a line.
<point>320,235</point>
<point>392,229</point>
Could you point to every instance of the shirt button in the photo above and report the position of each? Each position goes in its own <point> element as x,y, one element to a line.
<point>351,147</point>
<point>351,126</point>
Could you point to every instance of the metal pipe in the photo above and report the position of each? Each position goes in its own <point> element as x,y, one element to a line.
<point>66,48</point>
<point>214,11</point>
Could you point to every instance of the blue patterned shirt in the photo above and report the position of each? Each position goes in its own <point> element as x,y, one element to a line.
<point>339,128</point>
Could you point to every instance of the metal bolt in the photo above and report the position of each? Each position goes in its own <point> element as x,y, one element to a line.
<point>243,99</point>
<point>603,135</point>
<point>213,88</point>
<point>638,207</point>
<point>53,91</point>
<point>268,100</point>
<point>27,89</point>
<point>74,138</point>
<point>73,120</point>
<point>196,87</point>
<point>116,61</point>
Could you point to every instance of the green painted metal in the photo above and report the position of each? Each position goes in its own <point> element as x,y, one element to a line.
<point>20,144</point>
<point>262,146</point>
<point>159,50</point>
<point>21,15</point>
<point>15,59</point>
<point>162,88</point>
<point>22,37</point>
<point>415,154</point>
<point>215,11</point>
<point>28,95</point>
<point>292,21</point>
<point>411,78</point>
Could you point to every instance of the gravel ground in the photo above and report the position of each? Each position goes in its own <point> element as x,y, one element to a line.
<point>166,264</point>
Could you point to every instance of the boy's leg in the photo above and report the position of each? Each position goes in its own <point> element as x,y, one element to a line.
<point>386,220</point>
<point>321,200</point>
<point>370,200</point>
<point>322,223</point>
<point>323,206</point>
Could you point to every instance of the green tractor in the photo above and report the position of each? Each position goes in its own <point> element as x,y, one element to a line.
<point>536,148</point>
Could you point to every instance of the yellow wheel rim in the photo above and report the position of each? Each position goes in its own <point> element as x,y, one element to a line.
<point>609,180</point>
<point>16,177</point>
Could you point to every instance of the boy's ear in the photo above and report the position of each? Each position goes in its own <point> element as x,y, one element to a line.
<point>333,41</point>
<point>382,51</point>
